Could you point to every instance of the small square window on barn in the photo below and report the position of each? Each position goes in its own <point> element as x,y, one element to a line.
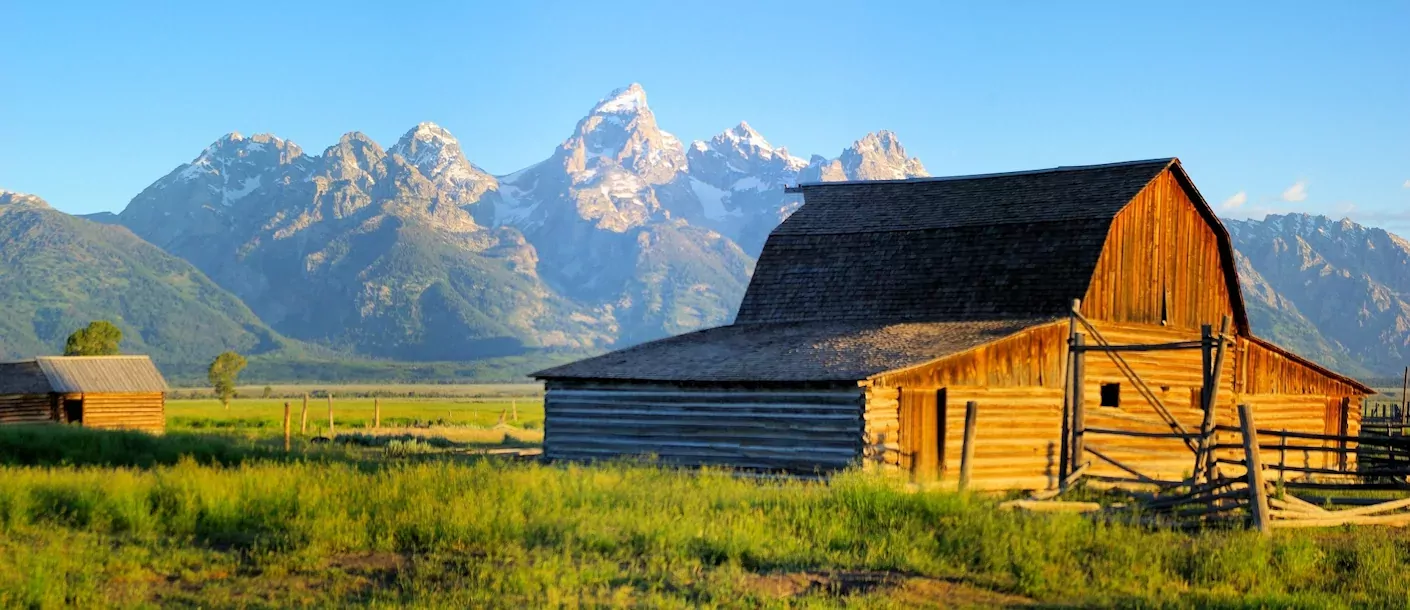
<point>1111,395</point>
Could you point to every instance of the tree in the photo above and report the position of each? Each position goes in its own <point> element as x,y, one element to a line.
<point>99,338</point>
<point>222,374</point>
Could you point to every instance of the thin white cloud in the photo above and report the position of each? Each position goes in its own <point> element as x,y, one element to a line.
<point>1296,192</point>
<point>1407,184</point>
<point>1235,202</point>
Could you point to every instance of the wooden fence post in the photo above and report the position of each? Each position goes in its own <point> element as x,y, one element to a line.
<point>1258,499</point>
<point>288,425</point>
<point>376,414</point>
<point>1282,457</point>
<point>303,417</point>
<point>331,430</point>
<point>971,412</point>
<point>1079,409</point>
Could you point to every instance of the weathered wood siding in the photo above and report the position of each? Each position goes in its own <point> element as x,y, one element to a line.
<point>1160,277</point>
<point>1030,361</point>
<point>797,429</point>
<point>1033,357</point>
<point>127,411</point>
<point>1289,395</point>
<point>26,408</point>
<point>1161,264</point>
<point>1174,377</point>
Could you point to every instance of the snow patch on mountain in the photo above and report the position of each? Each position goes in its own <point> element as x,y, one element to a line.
<point>712,200</point>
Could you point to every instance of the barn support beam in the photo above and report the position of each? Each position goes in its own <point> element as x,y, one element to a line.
<point>1213,364</point>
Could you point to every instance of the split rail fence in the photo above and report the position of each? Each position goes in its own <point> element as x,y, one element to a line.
<point>1250,477</point>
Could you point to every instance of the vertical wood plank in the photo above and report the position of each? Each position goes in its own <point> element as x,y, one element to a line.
<point>971,414</point>
<point>1258,494</point>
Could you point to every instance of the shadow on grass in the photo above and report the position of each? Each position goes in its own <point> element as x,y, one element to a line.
<point>64,445</point>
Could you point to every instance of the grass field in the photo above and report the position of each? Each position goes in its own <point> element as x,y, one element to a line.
<point>266,415</point>
<point>216,514</point>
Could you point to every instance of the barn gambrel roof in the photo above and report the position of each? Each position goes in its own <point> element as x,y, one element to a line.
<point>950,260</point>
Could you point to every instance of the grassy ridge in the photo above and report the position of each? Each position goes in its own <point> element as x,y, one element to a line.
<point>329,531</point>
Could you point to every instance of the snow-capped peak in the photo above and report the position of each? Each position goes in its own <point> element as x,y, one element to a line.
<point>744,134</point>
<point>629,99</point>
<point>434,152</point>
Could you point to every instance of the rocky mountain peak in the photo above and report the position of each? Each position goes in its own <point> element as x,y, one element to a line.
<point>626,100</point>
<point>437,155</point>
<point>621,132</point>
<point>12,198</point>
<point>880,156</point>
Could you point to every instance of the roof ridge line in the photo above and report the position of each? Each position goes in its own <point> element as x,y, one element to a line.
<point>963,226</point>
<point>1061,168</point>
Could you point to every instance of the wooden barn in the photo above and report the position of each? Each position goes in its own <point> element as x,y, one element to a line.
<point>113,392</point>
<point>880,310</point>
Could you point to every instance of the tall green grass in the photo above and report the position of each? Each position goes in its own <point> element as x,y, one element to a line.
<point>504,534</point>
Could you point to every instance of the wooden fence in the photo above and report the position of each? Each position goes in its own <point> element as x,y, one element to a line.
<point>1249,477</point>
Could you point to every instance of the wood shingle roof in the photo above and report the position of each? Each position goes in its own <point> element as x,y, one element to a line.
<point>873,276</point>
<point>999,246</point>
<point>798,351</point>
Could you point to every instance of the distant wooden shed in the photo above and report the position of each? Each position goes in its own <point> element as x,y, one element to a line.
<point>879,309</point>
<point>114,392</point>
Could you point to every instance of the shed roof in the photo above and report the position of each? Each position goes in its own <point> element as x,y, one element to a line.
<point>114,374</point>
<point>22,377</point>
<point>790,351</point>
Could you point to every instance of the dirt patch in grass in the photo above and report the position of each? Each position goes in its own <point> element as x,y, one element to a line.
<point>903,589</point>
<point>377,565</point>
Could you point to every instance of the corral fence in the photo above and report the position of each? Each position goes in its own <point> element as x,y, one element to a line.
<point>1242,475</point>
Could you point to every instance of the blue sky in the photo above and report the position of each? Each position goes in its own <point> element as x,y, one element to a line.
<point>1256,98</point>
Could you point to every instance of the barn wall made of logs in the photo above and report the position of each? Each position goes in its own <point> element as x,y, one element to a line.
<point>1017,435</point>
<point>26,408</point>
<point>1173,378</point>
<point>1161,264</point>
<point>126,411</point>
<point>1287,394</point>
<point>796,428</point>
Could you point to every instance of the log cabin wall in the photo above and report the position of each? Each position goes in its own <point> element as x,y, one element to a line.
<point>1174,377</point>
<point>1016,380</point>
<point>797,428</point>
<point>1161,264</point>
<point>1287,394</point>
<point>26,408</point>
<point>125,411</point>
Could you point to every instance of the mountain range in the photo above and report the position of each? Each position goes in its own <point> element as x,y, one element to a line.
<point>624,233</point>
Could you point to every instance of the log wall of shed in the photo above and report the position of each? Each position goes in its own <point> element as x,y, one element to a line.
<point>126,411</point>
<point>1161,264</point>
<point>792,428</point>
<point>1017,382</point>
<point>26,408</point>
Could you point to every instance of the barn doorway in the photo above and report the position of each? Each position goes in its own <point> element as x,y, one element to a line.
<point>923,420</point>
<point>73,410</point>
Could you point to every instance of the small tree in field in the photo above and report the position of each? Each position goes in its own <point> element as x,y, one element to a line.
<point>223,373</point>
<point>99,338</point>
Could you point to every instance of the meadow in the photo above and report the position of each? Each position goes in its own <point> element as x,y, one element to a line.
<point>215,515</point>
